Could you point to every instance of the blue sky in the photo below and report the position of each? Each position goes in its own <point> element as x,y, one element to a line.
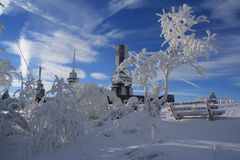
<point>48,32</point>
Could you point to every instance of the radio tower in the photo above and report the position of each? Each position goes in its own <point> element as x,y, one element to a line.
<point>73,75</point>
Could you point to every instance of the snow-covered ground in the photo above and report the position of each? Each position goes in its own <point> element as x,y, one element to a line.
<point>140,137</point>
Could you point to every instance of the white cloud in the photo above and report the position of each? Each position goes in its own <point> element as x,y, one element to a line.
<point>228,60</point>
<point>225,10</point>
<point>5,4</point>
<point>48,74</point>
<point>25,49</point>
<point>237,84</point>
<point>55,48</point>
<point>217,67</point>
<point>184,73</point>
<point>30,7</point>
<point>224,64</point>
<point>117,5</point>
<point>99,76</point>
<point>80,16</point>
<point>236,81</point>
<point>51,69</point>
<point>185,94</point>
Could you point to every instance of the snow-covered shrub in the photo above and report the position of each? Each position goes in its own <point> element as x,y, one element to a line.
<point>26,96</point>
<point>95,100</point>
<point>135,126</point>
<point>12,103</point>
<point>58,122</point>
<point>120,110</point>
<point>7,72</point>
<point>133,103</point>
<point>11,118</point>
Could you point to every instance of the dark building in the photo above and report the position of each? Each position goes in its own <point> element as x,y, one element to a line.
<point>121,79</point>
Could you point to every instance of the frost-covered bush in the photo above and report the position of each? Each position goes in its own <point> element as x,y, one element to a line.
<point>58,122</point>
<point>11,118</point>
<point>133,103</point>
<point>95,100</point>
<point>26,96</point>
<point>7,73</point>
<point>120,110</point>
<point>134,125</point>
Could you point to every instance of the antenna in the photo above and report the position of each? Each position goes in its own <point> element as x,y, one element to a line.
<point>74,59</point>
<point>40,74</point>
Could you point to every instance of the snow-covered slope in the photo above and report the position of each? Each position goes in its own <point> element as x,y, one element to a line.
<point>140,137</point>
<point>137,136</point>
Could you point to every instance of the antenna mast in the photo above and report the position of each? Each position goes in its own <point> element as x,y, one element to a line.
<point>74,60</point>
<point>73,75</point>
<point>40,74</point>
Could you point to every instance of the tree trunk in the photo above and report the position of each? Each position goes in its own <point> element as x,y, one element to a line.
<point>145,95</point>
<point>166,76</point>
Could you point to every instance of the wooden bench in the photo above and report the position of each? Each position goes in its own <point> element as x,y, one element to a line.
<point>198,109</point>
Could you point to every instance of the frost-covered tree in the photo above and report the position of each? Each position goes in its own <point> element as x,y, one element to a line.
<point>143,72</point>
<point>183,46</point>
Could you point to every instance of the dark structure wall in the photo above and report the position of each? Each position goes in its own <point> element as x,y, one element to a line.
<point>121,54</point>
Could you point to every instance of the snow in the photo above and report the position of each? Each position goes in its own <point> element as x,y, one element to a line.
<point>138,136</point>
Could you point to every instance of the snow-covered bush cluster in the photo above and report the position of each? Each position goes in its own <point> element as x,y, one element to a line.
<point>135,124</point>
<point>95,100</point>
<point>61,118</point>
<point>10,118</point>
<point>27,94</point>
<point>59,121</point>
<point>8,115</point>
